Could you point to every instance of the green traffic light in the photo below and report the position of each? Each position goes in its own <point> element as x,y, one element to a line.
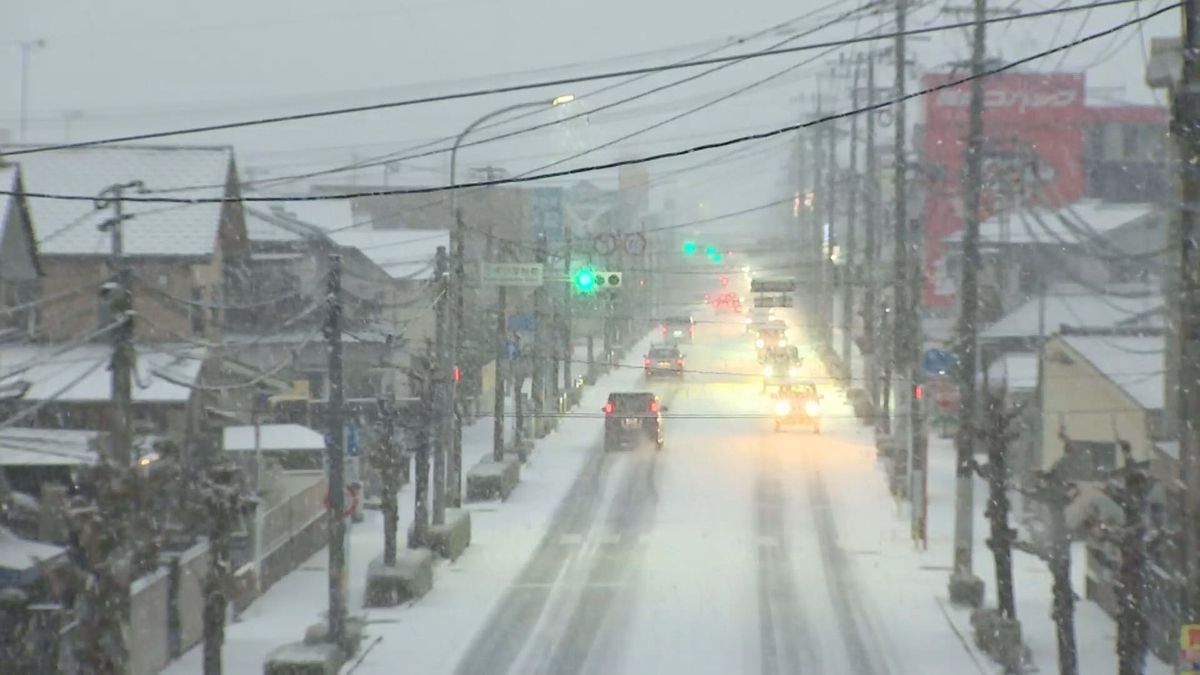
<point>689,248</point>
<point>711,251</point>
<point>585,280</point>
<point>716,257</point>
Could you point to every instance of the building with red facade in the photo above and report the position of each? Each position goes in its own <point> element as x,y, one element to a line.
<point>1045,145</point>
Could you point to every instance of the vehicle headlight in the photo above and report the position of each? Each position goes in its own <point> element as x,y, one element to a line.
<point>793,371</point>
<point>782,342</point>
<point>759,342</point>
<point>782,407</point>
<point>768,371</point>
<point>812,408</point>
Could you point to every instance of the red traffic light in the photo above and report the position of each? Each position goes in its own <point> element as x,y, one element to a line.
<point>724,281</point>
<point>918,392</point>
<point>457,374</point>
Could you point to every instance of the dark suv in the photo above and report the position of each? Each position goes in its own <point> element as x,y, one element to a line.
<point>632,419</point>
<point>663,360</point>
<point>679,329</point>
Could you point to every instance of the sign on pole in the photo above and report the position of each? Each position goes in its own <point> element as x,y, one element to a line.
<point>512,274</point>
<point>773,301</point>
<point>1189,650</point>
<point>772,285</point>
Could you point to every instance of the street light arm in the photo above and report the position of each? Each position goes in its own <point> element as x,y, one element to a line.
<point>473,125</point>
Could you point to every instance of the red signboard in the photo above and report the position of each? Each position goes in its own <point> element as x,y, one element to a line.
<point>1036,114</point>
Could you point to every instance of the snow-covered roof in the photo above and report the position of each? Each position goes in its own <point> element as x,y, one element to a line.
<point>21,446</point>
<point>65,227</point>
<point>273,437</point>
<point>264,226</point>
<point>22,554</point>
<point>1135,364</point>
<point>1017,370</point>
<point>1072,308</point>
<point>400,253</point>
<point>1075,224</point>
<point>163,375</point>
<point>8,181</point>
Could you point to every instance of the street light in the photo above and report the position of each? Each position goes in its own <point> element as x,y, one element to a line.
<point>457,237</point>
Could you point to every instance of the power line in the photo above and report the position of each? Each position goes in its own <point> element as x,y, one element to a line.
<point>582,78</point>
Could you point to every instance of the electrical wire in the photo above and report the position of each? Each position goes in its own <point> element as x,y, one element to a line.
<point>59,351</point>
<point>576,79</point>
<point>219,306</point>
<point>262,376</point>
<point>8,311</point>
<point>11,421</point>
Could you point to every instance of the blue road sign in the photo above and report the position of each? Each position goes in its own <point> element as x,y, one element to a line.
<point>521,323</point>
<point>352,441</point>
<point>512,349</point>
<point>937,361</point>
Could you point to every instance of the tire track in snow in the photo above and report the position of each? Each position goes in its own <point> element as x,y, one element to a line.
<point>504,638</point>
<point>858,633</point>
<point>781,623</point>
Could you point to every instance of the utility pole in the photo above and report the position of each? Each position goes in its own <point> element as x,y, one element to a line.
<point>459,347</point>
<point>1132,627</point>
<point>443,417</point>
<point>106,538</point>
<point>903,400</point>
<point>850,278</point>
<point>829,271</point>
<point>966,588</point>
<point>540,349</point>
<point>386,459</point>
<point>1006,642</point>
<point>817,274</point>
<point>871,249</point>
<point>336,457</point>
<point>1185,129</point>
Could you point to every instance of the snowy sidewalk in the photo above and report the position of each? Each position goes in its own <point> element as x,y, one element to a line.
<point>428,635</point>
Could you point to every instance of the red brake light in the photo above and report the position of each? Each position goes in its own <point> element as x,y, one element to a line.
<point>646,360</point>
<point>664,329</point>
<point>609,408</point>
<point>918,393</point>
<point>653,406</point>
<point>457,374</point>
<point>679,361</point>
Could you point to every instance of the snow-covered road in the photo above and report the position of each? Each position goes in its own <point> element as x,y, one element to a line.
<point>735,549</point>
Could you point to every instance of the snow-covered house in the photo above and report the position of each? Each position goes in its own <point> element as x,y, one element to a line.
<point>70,387</point>
<point>1089,242</point>
<point>180,254</point>
<point>19,264</point>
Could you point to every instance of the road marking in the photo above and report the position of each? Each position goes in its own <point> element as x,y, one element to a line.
<point>595,585</point>
<point>570,539</point>
<point>609,538</point>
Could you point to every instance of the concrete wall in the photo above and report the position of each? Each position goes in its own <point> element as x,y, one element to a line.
<point>189,596</point>
<point>149,629</point>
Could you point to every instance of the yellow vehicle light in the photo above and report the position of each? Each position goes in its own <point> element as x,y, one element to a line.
<point>768,371</point>
<point>812,408</point>
<point>759,342</point>
<point>793,371</point>
<point>782,407</point>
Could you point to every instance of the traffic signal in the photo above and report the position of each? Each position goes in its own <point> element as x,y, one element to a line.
<point>584,280</point>
<point>608,280</point>
<point>711,251</point>
<point>689,248</point>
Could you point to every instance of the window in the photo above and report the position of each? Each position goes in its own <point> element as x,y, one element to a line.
<point>1090,460</point>
<point>198,314</point>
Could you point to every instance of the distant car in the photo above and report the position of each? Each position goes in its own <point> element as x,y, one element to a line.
<point>727,303</point>
<point>663,360</point>
<point>782,366</point>
<point>758,316</point>
<point>798,404</point>
<point>677,329</point>
<point>769,336</point>
<point>633,419</point>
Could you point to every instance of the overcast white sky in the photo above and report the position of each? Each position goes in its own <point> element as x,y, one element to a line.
<point>124,66</point>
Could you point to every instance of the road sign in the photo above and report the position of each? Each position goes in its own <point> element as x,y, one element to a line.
<point>512,349</point>
<point>351,500</point>
<point>772,285</point>
<point>604,244</point>
<point>352,441</point>
<point>512,274</point>
<point>937,361</point>
<point>521,323</point>
<point>944,393</point>
<point>635,243</point>
<point>773,301</point>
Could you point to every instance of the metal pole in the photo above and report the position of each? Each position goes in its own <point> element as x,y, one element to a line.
<point>965,587</point>
<point>26,47</point>
<point>441,388</point>
<point>1185,128</point>
<point>900,329</point>
<point>421,439</point>
<point>260,506</point>
<point>568,346</point>
<point>540,349</point>
<point>336,458</point>
<point>829,271</point>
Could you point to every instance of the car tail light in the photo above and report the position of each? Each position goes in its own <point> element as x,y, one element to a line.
<point>679,361</point>
<point>646,361</point>
<point>664,329</point>
<point>653,406</point>
<point>609,408</point>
